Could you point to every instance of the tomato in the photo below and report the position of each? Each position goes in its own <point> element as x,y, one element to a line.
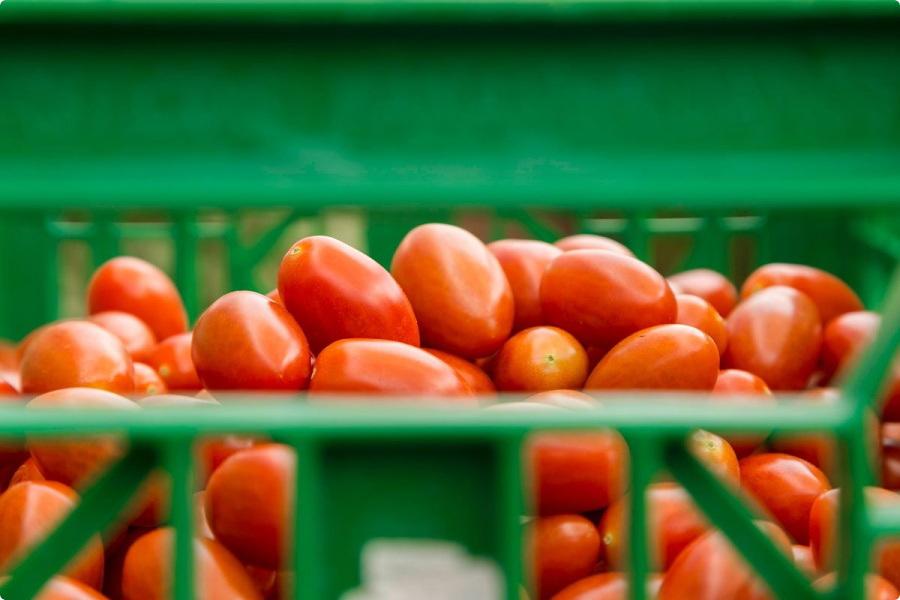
<point>737,386</point>
<point>674,521</point>
<point>457,288</point>
<point>666,357</point>
<point>115,562</point>
<point>29,512</point>
<point>707,284</point>
<point>786,487</point>
<point>562,549</point>
<point>890,465</point>
<point>147,573</point>
<point>27,471</point>
<point>803,558</point>
<point>571,399</point>
<point>606,586</point>
<point>716,455</point>
<point>831,296</point>
<point>244,341</point>
<point>587,241</point>
<point>477,379</point>
<point>172,360</point>
<point>134,334</point>
<point>844,338</point>
<point>136,287</point>
<point>76,354</point>
<point>249,500</point>
<point>697,312</point>
<point>6,389</point>
<point>147,381</point>
<point>602,297</point>
<point>539,359</point>
<point>711,569</point>
<point>63,588</point>
<point>817,449</point>
<point>335,292</point>
<point>274,296</point>
<point>775,334</point>
<point>201,522</point>
<point>524,263</point>
<point>877,588</point>
<point>9,365</point>
<point>385,367</point>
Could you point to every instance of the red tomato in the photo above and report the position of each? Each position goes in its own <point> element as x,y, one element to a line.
<point>63,588</point>
<point>215,451</point>
<point>275,296</point>
<point>477,379</point>
<point>737,386</point>
<point>803,558</point>
<point>381,366</point>
<point>697,312</point>
<point>877,588</point>
<point>776,334</point>
<point>844,338</point>
<point>673,522</point>
<point>831,296</point>
<point>606,586</point>
<point>819,450</point>
<point>27,471</point>
<point>587,241</point>
<point>147,574</point>
<point>172,360</point>
<point>147,381</point>
<point>666,357</point>
<point>716,454</point>
<point>244,341</point>
<point>29,512</point>
<point>249,501</point>
<point>136,287</point>
<point>460,294</point>
<point>571,399</point>
<point>524,263</point>
<point>134,334</point>
<point>601,297</point>
<point>710,569</point>
<point>707,284</point>
<point>562,549</point>
<point>201,522</point>
<point>786,487</point>
<point>539,359</point>
<point>335,292</point>
<point>6,389</point>
<point>76,354</point>
<point>115,563</point>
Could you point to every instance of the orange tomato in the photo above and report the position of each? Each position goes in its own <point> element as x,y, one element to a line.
<point>803,558</point>
<point>524,263</point>
<point>707,284</point>
<point>716,455</point>
<point>562,549</point>
<point>27,471</point>
<point>877,588</point>
<point>831,296</point>
<point>171,358</point>
<point>697,312</point>
<point>477,379</point>
<point>63,588</point>
<point>147,381</point>
<point>587,241</point>
<point>737,386</point>
<point>457,288</point>
<point>607,586</point>
<point>539,359</point>
<point>134,334</point>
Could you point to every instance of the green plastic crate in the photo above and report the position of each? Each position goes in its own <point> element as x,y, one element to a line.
<point>718,134</point>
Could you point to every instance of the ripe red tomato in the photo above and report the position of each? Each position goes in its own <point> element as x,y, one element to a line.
<point>136,287</point>
<point>602,297</point>
<point>666,357</point>
<point>844,338</point>
<point>711,569</point>
<point>716,455</point>
<point>674,521</point>
<point>134,334</point>
<point>147,381</point>
<point>804,560</point>
<point>831,296</point>
<point>819,450</point>
<point>786,487</point>
<point>776,334</point>
<point>244,341</point>
<point>707,284</point>
<point>697,312</point>
<point>76,354</point>
<point>147,573</point>
<point>6,389</point>
<point>606,586</point>
<point>29,512</point>
<point>477,379</point>
<point>562,549</point>
<point>735,385</point>
<point>115,562</point>
<point>336,292</point>
<point>587,241</point>
<point>539,359</point>
<point>524,263</point>
<point>385,367</point>
<point>249,501</point>
<point>27,471</point>
<point>877,588</point>
<point>171,358</point>
<point>458,290</point>
<point>63,588</point>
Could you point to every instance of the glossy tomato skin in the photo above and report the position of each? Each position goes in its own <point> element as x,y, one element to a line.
<point>27,471</point>
<point>665,357</point>
<point>249,501</point>
<point>602,297</point>
<point>540,359</point>
<point>716,454</point>
<point>697,312</point>
<point>335,292</point>
<point>606,586</point>
<point>524,263</point>
<point>737,386</point>
<point>877,588</point>
<point>710,285</point>
<point>135,335</point>
<point>245,341</point>
<point>29,512</point>
<point>171,358</point>
<point>844,338</point>
<point>6,389</point>
<point>786,487</point>
<point>147,572</point>
<point>76,354</point>
<point>457,288</point>
<point>477,379</point>
<point>65,588</point>
<point>776,334</point>
<point>274,296</point>
<point>804,560</point>
<point>147,381</point>
<point>831,296</point>
<point>136,287</point>
<point>381,366</point>
<point>562,550</point>
<point>588,241</point>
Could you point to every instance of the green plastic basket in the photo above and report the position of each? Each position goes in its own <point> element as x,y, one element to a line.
<point>717,134</point>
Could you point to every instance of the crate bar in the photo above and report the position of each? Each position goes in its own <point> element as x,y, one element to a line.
<point>511,506</point>
<point>308,535</point>
<point>179,460</point>
<point>644,459</point>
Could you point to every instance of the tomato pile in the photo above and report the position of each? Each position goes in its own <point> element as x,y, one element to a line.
<point>455,321</point>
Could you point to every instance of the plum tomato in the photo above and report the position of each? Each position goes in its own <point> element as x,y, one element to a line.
<point>607,586</point>
<point>737,386</point>
<point>588,241</point>
<point>803,558</point>
<point>831,296</point>
<point>115,562</point>
<point>147,381</point>
<point>27,471</point>
<point>697,312</point>
<point>716,454</point>
<point>817,449</point>
<point>562,549</point>
<point>877,588</point>
<point>135,335</point>
<point>171,358</point>
<point>524,263</point>
<point>540,359</point>
<point>477,379</point>
<point>707,284</point>
<point>844,339</point>
<point>335,292</point>
<point>457,288</point>
<point>64,588</point>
